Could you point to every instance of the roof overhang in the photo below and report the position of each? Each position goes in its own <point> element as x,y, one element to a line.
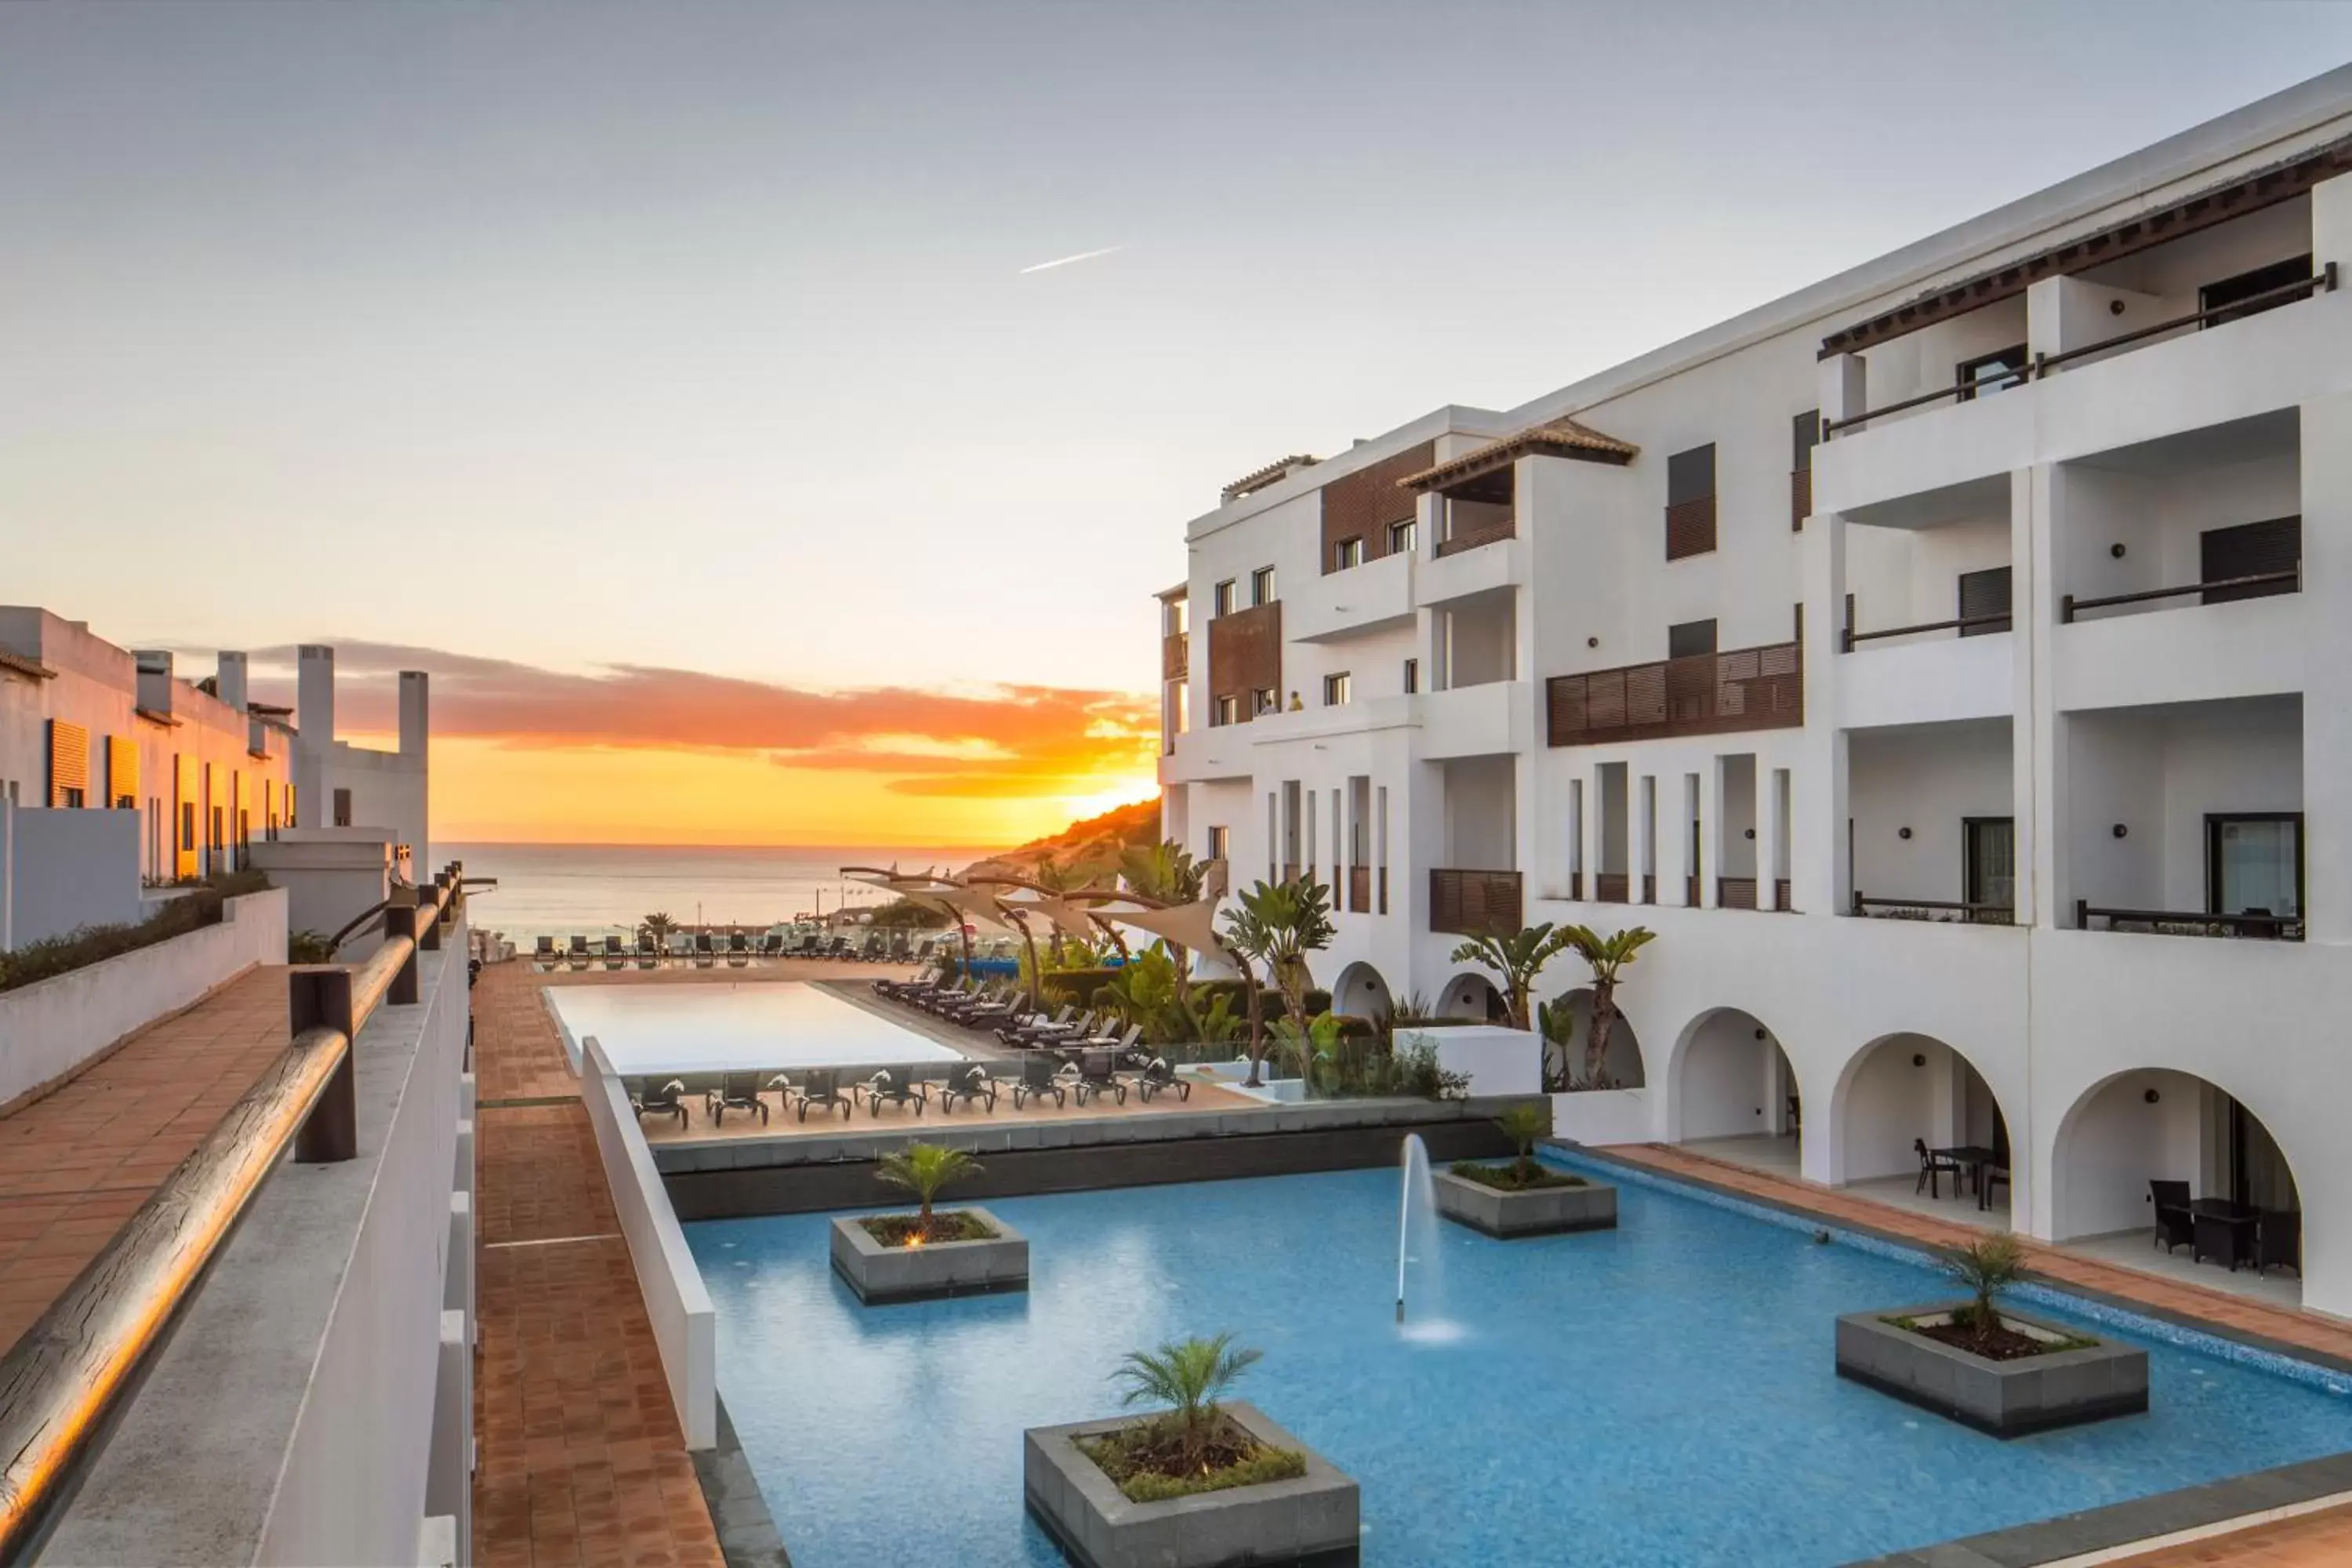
<point>1561,438</point>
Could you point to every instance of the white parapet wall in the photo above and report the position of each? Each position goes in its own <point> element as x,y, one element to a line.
<point>1604,1115</point>
<point>685,1327</point>
<point>1495,1060</point>
<point>52,1027</point>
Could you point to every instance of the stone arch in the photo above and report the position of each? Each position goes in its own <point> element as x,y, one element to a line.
<point>1471,995</point>
<point>1728,1077</point>
<point>1624,1068</point>
<point>1360,993</point>
<point>2146,1124</point>
<point>1903,1088</point>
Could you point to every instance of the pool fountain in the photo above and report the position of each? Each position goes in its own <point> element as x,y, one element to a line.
<point>1418,1238</point>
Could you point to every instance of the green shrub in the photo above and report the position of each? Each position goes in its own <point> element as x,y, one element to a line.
<point>1265,1464</point>
<point>1075,987</point>
<point>193,910</point>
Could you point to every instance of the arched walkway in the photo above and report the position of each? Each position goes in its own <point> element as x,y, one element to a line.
<point>1470,994</point>
<point>1622,1068</point>
<point>2154,1125</point>
<point>1360,993</point>
<point>1728,1078</point>
<point>1901,1092</point>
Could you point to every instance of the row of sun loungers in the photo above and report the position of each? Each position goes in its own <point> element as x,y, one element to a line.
<point>581,952</point>
<point>1081,1077</point>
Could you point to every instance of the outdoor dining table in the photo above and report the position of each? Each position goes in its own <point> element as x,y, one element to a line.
<point>2223,1230</point>
<point>1972,1158</point>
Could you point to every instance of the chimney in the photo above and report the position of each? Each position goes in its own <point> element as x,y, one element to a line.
<point>155,679</point>
<point>230,679</point>
<point>314,695</point>
<point>414,710</point>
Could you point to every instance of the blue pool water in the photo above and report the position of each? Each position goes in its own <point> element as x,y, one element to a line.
<point>1660,1393</point>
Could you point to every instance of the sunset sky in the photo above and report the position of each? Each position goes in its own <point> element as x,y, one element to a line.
<point>683,384</point>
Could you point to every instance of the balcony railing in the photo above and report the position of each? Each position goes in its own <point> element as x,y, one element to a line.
<point>1290,870</point>
<point>1612,887</point>
<point>2181,922</point>
<point>1175,655</point>
<point>2321,282</point>
<point>1475,531</point>
<point>1781,904</point>
<point>1359,888</point>
<point>1935,910</point>
<point>1800,497</point>
<point>1690,528</point>
<point>1466,903</point>
<point>1961,623</point>
<point>1703,694</point>
<point>1734,892</point>
<point>2290,581</point>
<point>1575,887</point>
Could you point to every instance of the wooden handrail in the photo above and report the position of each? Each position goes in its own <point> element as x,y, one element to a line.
<point>2007,913</point>
<point>1958,623</point>
<point>61,1379</point>
<point>2321,281</point>
<point>2069,605</point>
<point>2288,928</point>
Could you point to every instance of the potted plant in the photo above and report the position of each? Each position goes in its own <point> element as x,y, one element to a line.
<point>1524,1197</point>
<point>1202,1483</point>
<point>933,1251</point>
<point>1984,1365</point>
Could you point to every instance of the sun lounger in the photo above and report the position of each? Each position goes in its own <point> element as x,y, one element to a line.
<point>544,953</point>
<point>967,1083</point>
<point>1157,1075</point>
<point>771,946</point>
<point>738,945</point>
<point>819,1086</point>
<point>1098,1074</point>
<point>702,948</point>
<point>988,1014</point>
<point>1040,1075</point>
<point>1014,1032</point>
<point>668,1099</point>
<point>736,1092</point>
<point>1119,1045</point>
<point>893,1086</point>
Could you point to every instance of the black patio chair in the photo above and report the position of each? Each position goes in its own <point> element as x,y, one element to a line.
<point>970,1083</point>
<point>2175,1226</point>
<point>2278,1241</point>
<point>1157,1075</point>
<point>1098,1074</point>
<point>893,1086</point>
<point>818,1086</point>
<point>1019,1030</point>
<point>1041,1076</point>
<point>736,1092</point>
<point>668,1100</point>
<point>1931,1166</point>
<point>1991,1176</point>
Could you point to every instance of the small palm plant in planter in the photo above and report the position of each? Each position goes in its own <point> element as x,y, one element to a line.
<point>1192,1447</point>
<point>925,1170</point>
<point>1985,1268</point>
<point>1523,1124</point>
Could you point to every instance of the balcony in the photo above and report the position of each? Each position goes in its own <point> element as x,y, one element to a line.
<point>1371,598</point>
<point>1449,578</point>
<point>1493,719</point>
<point>1704,694</point>
<point>1690,528</point>
<point>1473,527</point>
<point>1934,912</point>
<point>2187,923</point>
<point>1469,903</point>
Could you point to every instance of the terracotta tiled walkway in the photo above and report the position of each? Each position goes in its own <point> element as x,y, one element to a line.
<point>2309,1541</point>
<point>76,1163</point>
<point>582,1459</point>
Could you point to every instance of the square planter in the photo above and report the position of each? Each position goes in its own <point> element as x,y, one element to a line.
<point>2004,1398</point>
<point>1539,1211</point>
<point>879,1273</point>
<point>1309,1518</point>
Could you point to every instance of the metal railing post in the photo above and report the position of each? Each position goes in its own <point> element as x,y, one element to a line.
<point>320,997</point>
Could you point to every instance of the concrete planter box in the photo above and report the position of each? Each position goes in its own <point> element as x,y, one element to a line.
<point>879,1273</point>
<point>1539,1211</point>
<point>2004,1398</point>
<point>1310,1518</point>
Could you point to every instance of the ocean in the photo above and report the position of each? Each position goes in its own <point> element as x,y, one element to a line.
<point>560,889</point>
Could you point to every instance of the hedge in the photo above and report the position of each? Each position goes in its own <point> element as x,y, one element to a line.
<point>193,910</point>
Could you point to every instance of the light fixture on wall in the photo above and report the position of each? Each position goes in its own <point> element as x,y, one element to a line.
<point>2151,1097</point>
<point>1759,1031</point>
<point>1751,833</point>
<point>2121,831</point>
<point>2115,307</point>
<point>1592,642</point>
<point>2117,550</point>
<point>1902,833</point>
<point>1918,1059</point>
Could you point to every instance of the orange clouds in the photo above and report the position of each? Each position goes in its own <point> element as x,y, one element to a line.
<point>638,753</point>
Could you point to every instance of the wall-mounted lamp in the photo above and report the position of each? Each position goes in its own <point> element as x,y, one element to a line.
<point>1759,1032</point>
<point>1902,833</point>
<point>1592,642</point>
<point>2120,831</point>
<point>2151,1097</point>
<point>2117,550</point>
<point>1751,833</point>
<point>2115,307</point>
<point>1918,1059</point>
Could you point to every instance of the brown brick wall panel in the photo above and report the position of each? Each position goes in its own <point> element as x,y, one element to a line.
<point>1362,505</point>
<point>1245,654</point>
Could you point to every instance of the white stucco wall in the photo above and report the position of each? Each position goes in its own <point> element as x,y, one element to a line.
<point>62,870</point>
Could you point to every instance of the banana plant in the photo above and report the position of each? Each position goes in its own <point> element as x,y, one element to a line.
<point>1518,958</point>
<point>1607,956</point>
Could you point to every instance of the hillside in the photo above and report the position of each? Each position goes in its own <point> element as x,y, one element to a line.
<point>1096,841</point>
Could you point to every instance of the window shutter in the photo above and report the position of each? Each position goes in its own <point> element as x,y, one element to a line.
<point>2250,550</point>
<point>1985,593</point>
<point>68,764</point>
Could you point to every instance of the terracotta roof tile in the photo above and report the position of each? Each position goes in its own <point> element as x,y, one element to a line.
<point>1561,438</point>
<point>1262,477</point>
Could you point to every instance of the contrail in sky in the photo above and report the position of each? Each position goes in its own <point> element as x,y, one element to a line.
<point>1064,262</point>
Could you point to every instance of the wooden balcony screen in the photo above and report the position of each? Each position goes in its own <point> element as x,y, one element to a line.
<point>1800,497</point>
<point>1690,528</point>
<point>1359,888</point>
<point>1734,892</point>
<point>1474,530</point>
<point>1174,656</point>
<point>1464,903</point>
<point>1612,887</point>
<point>1706,694</point>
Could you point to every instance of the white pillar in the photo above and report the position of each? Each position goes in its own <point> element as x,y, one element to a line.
<point>2331,227</point>
<point>314,735</point>
<point>1715,835</point>
<point>2033,622</point>
<point>2327,690</point>
<point>1770,785</point>
<point>1640,826</point>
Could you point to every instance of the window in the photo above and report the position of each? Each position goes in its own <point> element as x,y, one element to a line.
<point>1335,689</point>
<point>187,825</point>
<point>1690,639</point>
<point>2250,550</point>
<point>1690,503</point>
<point>1991,870</point>
<point>1412,676</point>
<point>2254,864</point>
<point>71,798</point>
<point>1226,711</point>
<point>1805,434</point>
<point>1401,536</point>
<point>2247,285</point>
<point>1266,700</point>
<point>1348,552</point>
<point>1690,476</point>
<point>1800,636</point>
<point>1988,374</point>
<point>1220,842</point>
<point>343,808</point>
<point>1982,594</point>
<point>1262,586</point>
<point>1221,598</point>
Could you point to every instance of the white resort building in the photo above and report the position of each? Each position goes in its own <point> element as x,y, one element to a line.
<point>1952,662</point>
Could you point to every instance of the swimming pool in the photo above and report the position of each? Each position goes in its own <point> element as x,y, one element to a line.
<point>1660,1393</point>
<point>711,1028</point>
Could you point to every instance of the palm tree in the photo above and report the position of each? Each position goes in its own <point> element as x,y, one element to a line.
<point>1188,1375</point>
<point>1247,939</point>
<point>923,1169</point>
<point>1985,1268</point>
<point>1519,958</point>
<point>1166,873</point>
<point>1523,1123</point>
<point>1607,956</point>
<point>1279,924</point>
<point>657,928</point>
